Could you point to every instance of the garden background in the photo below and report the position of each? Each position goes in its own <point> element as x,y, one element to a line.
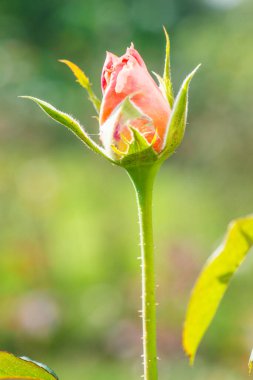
<point>70,278</point>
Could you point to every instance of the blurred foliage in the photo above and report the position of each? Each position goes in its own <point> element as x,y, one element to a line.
<point>68,226</point>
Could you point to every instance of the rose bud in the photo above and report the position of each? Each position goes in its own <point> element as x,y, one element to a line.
<point>140,123</point>
<point>147,111</point>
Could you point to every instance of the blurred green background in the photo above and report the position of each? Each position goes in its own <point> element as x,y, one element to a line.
<point>70,278</point>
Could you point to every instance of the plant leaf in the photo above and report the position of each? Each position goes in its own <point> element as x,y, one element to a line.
<point>213,281</point>
<point>84,81</point>
<point>42,365</point>
<point>177,122</point>
<point>69,122</point>
<point>13,367</point>
<point>250,365</point>
<point>167,74</point>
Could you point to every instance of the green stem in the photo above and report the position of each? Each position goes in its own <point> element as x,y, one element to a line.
<point>143,180</point>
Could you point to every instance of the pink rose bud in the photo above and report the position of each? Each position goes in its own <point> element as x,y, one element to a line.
<point>127,77</point>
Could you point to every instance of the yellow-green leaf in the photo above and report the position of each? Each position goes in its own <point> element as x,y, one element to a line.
<point>83,80</point>
<point>251,362</point>
<point>17,378</point>
<point>214,280</point>
<point>13,367</point>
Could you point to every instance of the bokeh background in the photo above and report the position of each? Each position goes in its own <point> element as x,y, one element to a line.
<point>70,278</point>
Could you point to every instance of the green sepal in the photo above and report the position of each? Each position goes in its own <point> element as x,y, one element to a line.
<point>213,282</point>
<point>13,367</point>
<point>139,142</point>
<point>177,121</point>
<point>145,157</point>
<point>69,122</point>
<point>250,365</point>
<point>140,152</point>
<point>137,145</point>
<point>167,83</point>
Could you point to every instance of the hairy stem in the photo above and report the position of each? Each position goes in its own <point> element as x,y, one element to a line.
<point>143,179</point>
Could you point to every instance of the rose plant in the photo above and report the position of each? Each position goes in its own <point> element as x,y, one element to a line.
<point>140,126</point>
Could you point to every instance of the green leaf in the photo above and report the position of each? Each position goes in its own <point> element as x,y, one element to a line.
<point>214,280</point>
<point>84,81</point>
<point>177,122</point>
<point>44,366</point>
<point>250,365</point>
<point>13,367</point>
<point>167,74</point>
<point>69,122</point>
